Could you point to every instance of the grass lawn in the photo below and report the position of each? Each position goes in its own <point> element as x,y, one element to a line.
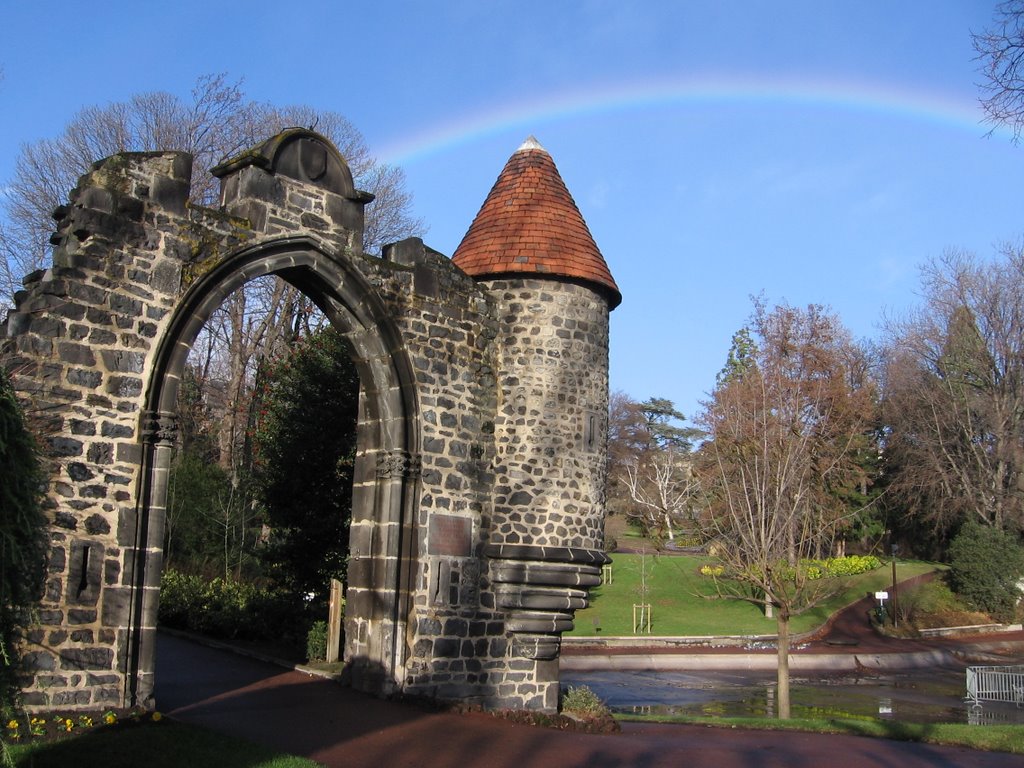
<point>989,738</point>
<point>682,601</point>
<point>166,744</point>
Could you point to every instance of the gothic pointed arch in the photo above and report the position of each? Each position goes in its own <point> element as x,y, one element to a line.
<point>386,461</point>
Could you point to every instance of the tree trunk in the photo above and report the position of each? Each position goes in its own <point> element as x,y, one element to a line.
<point>782,620</point>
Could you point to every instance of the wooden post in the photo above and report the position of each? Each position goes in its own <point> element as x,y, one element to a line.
<point>335,619</point>
<point>642,618</point>
<point>895,551</point>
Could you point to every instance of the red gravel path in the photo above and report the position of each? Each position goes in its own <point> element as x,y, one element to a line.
<point>307,716</point>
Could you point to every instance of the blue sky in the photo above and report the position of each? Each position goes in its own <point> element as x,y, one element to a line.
<point>812,151</point>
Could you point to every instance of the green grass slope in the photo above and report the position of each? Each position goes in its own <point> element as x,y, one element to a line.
<point>683,601</point>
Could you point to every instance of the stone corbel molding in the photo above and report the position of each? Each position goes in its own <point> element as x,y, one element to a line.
<point>541,588</point>
<point>398,464</point>
<point>159,427</point>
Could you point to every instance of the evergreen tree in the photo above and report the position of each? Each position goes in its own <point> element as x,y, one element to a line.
<point>304,453</point>
<point>660,415</point>
<point>23,539</point>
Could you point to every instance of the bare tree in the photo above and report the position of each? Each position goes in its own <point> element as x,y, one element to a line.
<point>649,467</point>
<point>782,438</point>
<point>953,398</point>
<point>217,122</point>
<point>1001,49</point>
<point>663,488</point>
<point>627,432</point>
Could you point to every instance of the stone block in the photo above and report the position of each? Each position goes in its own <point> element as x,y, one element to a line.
<point>81,616</point>
<point>124,386</point>
<point>97,525</point>
<point>35,700</point>
<point>58,637</point>
<point>71,698</point>
<point>65,520</point>
<point>38,661</point>
<point>75,354</point>
<point>103,453</point>
<point>123,361</point>
<point>116,606</point>
<point>56,561</point>
<point>86,658</point>
<point>446,648</point>
<point>63,446</point>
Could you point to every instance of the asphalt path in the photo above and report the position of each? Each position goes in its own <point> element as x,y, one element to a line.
<point>333,725</point>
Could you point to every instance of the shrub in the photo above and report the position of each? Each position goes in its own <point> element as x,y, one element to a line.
<point>985,566</point>
<point>933,604</point>
<point>180,595</point>
<point>851,565</point>
<point>582,701</point>
<point>233,610</point>
<point>316,642</point>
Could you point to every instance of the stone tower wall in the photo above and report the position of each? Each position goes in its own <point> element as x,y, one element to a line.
<point>547,541</point>
<point>552,419</point>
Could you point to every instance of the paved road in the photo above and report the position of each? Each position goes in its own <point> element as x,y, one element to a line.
<point>321,720</point>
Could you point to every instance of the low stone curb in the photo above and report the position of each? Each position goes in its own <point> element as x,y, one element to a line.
<point>833,662</point>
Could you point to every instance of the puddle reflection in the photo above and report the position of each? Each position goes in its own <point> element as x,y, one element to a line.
<point>924,696</point>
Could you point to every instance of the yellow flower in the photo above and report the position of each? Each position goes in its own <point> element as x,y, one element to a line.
<point>157,717</point>
<point>12,725</point>
<point>110,718</point>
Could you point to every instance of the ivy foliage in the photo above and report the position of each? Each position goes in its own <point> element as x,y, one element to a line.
<point>304,454</point>
<point>23,540</point>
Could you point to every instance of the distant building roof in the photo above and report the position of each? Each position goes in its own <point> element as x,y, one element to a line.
<point>529,224</point>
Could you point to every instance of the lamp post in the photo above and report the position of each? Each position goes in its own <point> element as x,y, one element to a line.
<point>895,551</point>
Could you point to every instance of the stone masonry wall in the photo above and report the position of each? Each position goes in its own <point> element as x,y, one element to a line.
<point>76,348</point>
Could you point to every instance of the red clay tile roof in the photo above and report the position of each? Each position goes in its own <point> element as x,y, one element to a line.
<point>529,224</point>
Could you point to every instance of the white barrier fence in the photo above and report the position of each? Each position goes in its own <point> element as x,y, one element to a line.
<point>1005,684</point>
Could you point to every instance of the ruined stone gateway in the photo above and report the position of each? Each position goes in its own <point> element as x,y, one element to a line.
<point>478,505</point>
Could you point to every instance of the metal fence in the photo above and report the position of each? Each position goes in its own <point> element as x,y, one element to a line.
<point>1005,684</point>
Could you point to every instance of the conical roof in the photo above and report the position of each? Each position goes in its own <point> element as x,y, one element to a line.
<point>529,224</point>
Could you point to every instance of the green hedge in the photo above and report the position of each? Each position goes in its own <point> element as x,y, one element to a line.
<point>234,610</point>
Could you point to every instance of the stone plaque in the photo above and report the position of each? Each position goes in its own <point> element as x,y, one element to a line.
<point>450,536</point>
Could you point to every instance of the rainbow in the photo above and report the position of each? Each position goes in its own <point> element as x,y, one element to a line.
<point>961,113</point>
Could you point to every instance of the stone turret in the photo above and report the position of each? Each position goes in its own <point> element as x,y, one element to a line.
<point>531,249</point>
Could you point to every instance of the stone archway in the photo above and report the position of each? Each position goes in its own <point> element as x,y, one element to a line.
<point>384,496</point>
<point>481,459</point>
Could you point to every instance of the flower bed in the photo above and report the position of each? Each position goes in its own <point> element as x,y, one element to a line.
<point>51,727</point>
